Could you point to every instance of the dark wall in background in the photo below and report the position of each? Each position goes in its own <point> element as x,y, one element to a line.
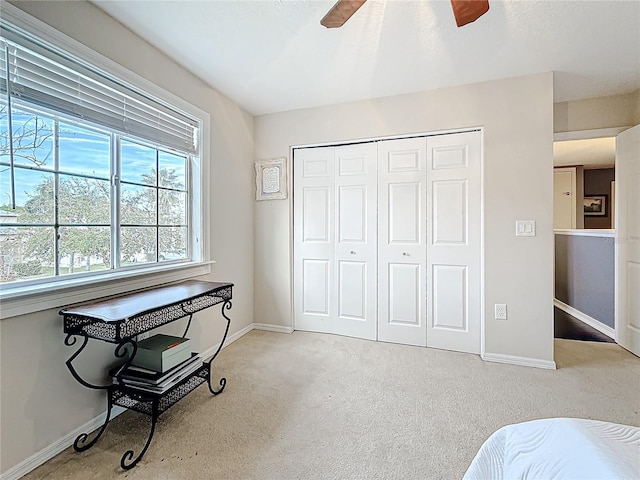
<point>585,275</point>
<point>598,182</point>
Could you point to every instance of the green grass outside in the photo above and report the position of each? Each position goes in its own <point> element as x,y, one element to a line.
<point>48,271</point>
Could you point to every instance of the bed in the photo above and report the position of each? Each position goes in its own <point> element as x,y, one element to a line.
<point>559,448</point>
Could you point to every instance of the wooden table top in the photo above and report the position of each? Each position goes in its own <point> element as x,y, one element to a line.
<point>126,306</point>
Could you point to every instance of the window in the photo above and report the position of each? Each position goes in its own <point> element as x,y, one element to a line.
<point>95,176</point>
<point>153,204</point>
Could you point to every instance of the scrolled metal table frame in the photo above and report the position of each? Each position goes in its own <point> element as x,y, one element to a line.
<point>123,332</point>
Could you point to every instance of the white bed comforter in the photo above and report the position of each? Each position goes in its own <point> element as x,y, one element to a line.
<point>559,448</point>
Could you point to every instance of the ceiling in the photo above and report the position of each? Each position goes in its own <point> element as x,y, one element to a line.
<point>273,55</point>
<point>592,153</point>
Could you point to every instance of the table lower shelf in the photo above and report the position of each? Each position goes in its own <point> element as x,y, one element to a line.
<point>143,402</point>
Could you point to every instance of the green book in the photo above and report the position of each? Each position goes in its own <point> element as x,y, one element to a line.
<point>162,352</point>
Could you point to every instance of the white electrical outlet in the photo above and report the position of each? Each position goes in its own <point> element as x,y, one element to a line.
<point>501,311</point>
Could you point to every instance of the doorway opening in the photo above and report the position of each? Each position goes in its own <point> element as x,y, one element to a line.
<point>584,231</point>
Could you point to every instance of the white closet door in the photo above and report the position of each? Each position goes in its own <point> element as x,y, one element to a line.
<point>454,241</point>
<point>402,241</point>
<point>314,245</point>
<point>335,240</point>
<point>356,240</point>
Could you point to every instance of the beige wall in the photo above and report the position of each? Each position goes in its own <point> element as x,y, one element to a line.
<point>517,116</point>
<point>40,401</point>
<point>595,113</point>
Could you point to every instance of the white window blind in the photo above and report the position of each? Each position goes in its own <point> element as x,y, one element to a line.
<point>38,75</point>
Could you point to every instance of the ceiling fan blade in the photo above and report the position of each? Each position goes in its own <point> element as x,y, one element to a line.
<point>341,12</point>
<point>467,11</point>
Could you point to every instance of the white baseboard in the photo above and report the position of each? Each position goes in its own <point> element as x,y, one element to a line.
<point>47,453</point>
<point>63,443</point>
<point>272,328</point>
<point>583,317</point>
<point>522,361</point>
<point>210,351</point>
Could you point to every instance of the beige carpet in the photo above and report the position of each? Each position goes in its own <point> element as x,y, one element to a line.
<point>312,406</point>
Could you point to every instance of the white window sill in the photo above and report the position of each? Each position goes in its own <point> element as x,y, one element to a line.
<point>22,300</point>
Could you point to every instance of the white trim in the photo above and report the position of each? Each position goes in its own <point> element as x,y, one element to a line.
<point>586,232</point>
<point>338,143</point>
<point>205,354</point>
<point>75,290</point>
<point>272,328</point>
<point>521,361</point>
<point>50,451</point>
<point>584,318</point>
<point>586,134</point>
<point>291,173</point>
<point>482,246</point>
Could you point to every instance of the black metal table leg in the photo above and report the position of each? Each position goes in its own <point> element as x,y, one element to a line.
<point>79,444</point>
<point>69,341</point>
<point>128,455</point>
<point>223,381</point>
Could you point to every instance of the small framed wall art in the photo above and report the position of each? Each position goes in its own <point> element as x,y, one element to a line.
<point>595,205</point>
<point>271,179</point>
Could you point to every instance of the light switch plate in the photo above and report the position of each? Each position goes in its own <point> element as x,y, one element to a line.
<point>525,228</point>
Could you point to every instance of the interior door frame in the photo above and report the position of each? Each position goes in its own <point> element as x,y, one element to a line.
<point>573,192</point>
<point>291,172</point>
<point>622,316</point>
<point>584,135</point>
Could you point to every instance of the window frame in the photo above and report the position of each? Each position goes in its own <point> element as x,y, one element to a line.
<point>58,291</point>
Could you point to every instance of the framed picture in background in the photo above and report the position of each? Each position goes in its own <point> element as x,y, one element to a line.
<point>596,205</point>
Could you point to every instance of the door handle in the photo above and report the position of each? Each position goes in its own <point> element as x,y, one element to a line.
<point>405,254</point>
<point>352,252</point>
<point>566,193</point>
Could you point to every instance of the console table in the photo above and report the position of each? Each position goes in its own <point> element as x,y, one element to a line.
<point>119,320</point>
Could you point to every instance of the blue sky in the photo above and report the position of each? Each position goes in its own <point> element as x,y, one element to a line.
<point>81,150</point>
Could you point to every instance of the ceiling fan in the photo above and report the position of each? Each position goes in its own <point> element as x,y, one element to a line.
<point>465,11</point>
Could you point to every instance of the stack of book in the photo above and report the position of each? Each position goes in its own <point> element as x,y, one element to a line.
<point>160,363</point>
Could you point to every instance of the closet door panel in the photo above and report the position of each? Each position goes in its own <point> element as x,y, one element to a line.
<point>315,286</point>
<point>454,170</point>
<point>401,241</point>
<point>335,240</point>
<point>316,203</point>
<point>403,207</point>
<point>352,201</point>
<point>356,240</point>
<point>352,301</point>
<point>450,215</point>
<point>314,295</point>
<point>450,297</point>
<point>404,288</point>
